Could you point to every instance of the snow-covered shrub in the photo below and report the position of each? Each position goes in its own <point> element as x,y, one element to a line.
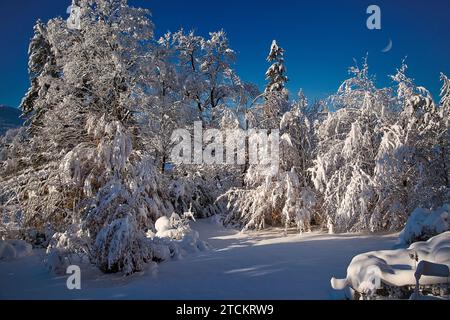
<point>197,188</point>
<point>256,207</point>
<point>276,201</point>
<point>372,271</point>
<point>68,248</point>
<point>121,246</point>
<point>299,205</point>
<point>423,224</point>
<point>175,238</point>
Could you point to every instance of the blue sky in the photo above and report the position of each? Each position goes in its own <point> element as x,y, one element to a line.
<point>320,37</point>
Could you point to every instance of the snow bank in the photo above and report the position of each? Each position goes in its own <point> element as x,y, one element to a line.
<point>14,249</point>
<point>397,268</point>
<point>424,224</point>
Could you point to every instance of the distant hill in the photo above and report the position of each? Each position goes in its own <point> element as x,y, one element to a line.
<point>9,119</point>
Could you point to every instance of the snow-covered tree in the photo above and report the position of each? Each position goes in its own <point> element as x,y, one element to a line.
<point>445,97</point>
<point>42,71</point>
<point>296,156</point>
<point>348,144</point>
<point>379,155</point>
<point>284,198</point>
<point>89,180</point>
<point>276,74</point>
<point>207,89</point>
<point>412,159</point>
<point>444,133</point>
<point>162,109</point>
<point>206,71</point>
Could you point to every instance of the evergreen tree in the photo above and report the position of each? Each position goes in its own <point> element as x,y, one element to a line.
<point>276,72</point>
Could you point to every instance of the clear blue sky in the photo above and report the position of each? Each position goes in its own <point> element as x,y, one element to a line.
<point>321,37</point>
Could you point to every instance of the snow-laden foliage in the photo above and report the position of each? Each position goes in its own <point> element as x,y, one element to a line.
<point>276,74</point>
<point>380,155</point>
<point>82,171</point>
<point>285,197</point>
<point>348,141</point>
<point>193,80</point>
<point>122,197</point>
<point>204,72</point>
<point>413,157</point>
<point>274,201</point>
<point>197,186</point>
<point>424,224</point>
<point>198,191</point>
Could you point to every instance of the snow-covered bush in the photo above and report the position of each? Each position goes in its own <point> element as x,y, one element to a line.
<point>175,238</point>
<point>413,156</point>
<point>390,269</point>
<point>423,224</point>
<point>120,197</point>
<point>256,207</point>
<point>276,201</point>
<point>197,188</point>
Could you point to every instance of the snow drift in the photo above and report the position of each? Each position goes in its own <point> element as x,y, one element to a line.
<point>370,271</point>
<point>14,249</point>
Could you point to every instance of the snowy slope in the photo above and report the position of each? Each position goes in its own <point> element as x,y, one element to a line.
<point>240,266</point>
<point>9,118</point>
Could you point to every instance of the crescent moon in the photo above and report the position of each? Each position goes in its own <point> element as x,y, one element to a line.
<point>388,47</point>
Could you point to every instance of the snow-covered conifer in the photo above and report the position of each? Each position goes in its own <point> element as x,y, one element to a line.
<point>276,74</point>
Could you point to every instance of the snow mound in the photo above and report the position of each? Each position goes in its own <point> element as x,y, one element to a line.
<point>162,225</point>
<point>14,249</point>
<point>424,224</point>
<point>174,238</point>
<point>397,268</point>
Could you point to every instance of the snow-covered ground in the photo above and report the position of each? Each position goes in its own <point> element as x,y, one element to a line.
<point>239,266</point>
